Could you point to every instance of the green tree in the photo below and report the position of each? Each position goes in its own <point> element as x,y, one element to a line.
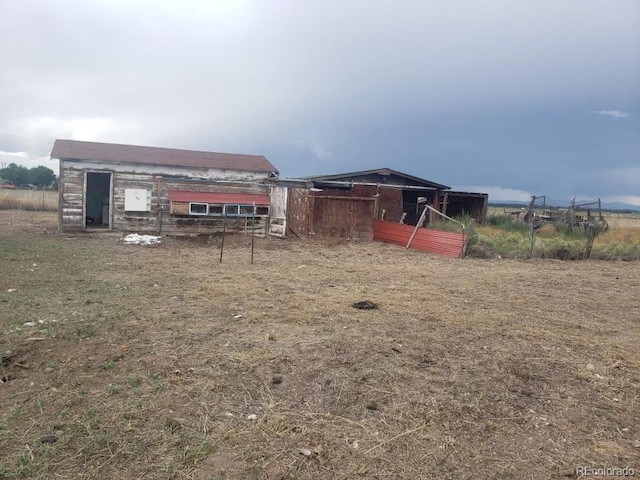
<point>41,176</point>
<point>16,174</point>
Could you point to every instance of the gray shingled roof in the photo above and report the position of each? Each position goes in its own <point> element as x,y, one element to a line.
<point>116,153</point>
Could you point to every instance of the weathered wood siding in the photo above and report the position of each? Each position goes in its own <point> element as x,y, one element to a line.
<point>278,213</point>
<point>343,216</point>
<point>71,191</point>
<point>298,214</point>
<point>344,213</point>
<point>332,212</point>
<point>157,180</point>
<point>390,200</point>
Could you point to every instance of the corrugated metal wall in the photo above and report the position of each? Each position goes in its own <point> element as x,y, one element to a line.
<point>426,239</point>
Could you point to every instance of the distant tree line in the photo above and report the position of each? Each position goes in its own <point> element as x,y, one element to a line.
<point>41,177</point>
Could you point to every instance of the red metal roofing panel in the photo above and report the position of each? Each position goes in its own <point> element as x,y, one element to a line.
<point>219,197</point>
<point>426,239</point>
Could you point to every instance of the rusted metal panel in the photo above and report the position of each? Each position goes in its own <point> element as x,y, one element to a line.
<point>426,239</point>
<point>213,186</point>
<point>218,197</point>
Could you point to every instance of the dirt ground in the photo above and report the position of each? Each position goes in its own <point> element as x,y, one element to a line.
<point>124,361</point>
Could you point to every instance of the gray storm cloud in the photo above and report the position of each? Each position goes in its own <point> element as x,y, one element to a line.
<point>445,90</point>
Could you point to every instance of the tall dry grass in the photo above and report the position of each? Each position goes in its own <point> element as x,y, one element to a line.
<point>40,200</point>
<point>508,238</point>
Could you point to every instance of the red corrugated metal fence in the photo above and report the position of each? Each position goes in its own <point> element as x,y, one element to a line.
<point>426,239</point>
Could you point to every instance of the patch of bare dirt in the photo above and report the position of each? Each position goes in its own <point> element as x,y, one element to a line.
<point>162,362</point>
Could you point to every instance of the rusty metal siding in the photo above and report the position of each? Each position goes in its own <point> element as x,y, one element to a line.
<point>219,197</point>
<point>426,239</point>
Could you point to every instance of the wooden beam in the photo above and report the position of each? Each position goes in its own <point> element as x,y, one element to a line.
<point>340,197</point>
<point>418,225</point>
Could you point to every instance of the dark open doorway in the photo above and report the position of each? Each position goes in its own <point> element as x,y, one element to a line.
<point>97,206</point>
<point>413,202</point>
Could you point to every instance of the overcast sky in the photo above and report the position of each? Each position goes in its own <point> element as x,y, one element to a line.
<point>508,97</point>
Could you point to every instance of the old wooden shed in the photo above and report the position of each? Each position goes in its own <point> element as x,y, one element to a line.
<point>130,188</point>
<point>346,205</point>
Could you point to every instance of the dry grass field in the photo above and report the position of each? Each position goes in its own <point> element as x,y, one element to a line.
<point>132,362</point>
<point>44,200</point>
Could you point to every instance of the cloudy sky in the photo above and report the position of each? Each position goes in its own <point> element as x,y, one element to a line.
<point>508,97</point>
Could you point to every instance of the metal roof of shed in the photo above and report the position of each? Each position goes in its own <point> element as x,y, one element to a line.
<point>117,153</point>
<point>382,172</point>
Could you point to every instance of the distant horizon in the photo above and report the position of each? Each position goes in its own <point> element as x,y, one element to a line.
<point>520,197</point>
<point>506,98</point>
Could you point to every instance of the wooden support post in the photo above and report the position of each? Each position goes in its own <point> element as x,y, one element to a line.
<point>435,204</point>
<point>572,218</point>
<point>485,208</point>
<point>468,230</point>
<point>591,236</point>
<point>599,210</point>
<point>224,229</point>
<point>532,233</point>
<point>418,225</point>
<point>253,230</point>
<point>444,202</point>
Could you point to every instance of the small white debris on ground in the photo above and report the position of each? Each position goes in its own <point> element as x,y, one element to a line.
<point>135,239</point>
<point>252,416</point>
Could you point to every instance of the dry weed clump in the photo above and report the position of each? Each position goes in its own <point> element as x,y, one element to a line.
<point>163,363</point>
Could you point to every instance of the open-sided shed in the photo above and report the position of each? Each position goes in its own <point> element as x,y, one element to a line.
<point>345,205</point>
<point>130,188</point>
